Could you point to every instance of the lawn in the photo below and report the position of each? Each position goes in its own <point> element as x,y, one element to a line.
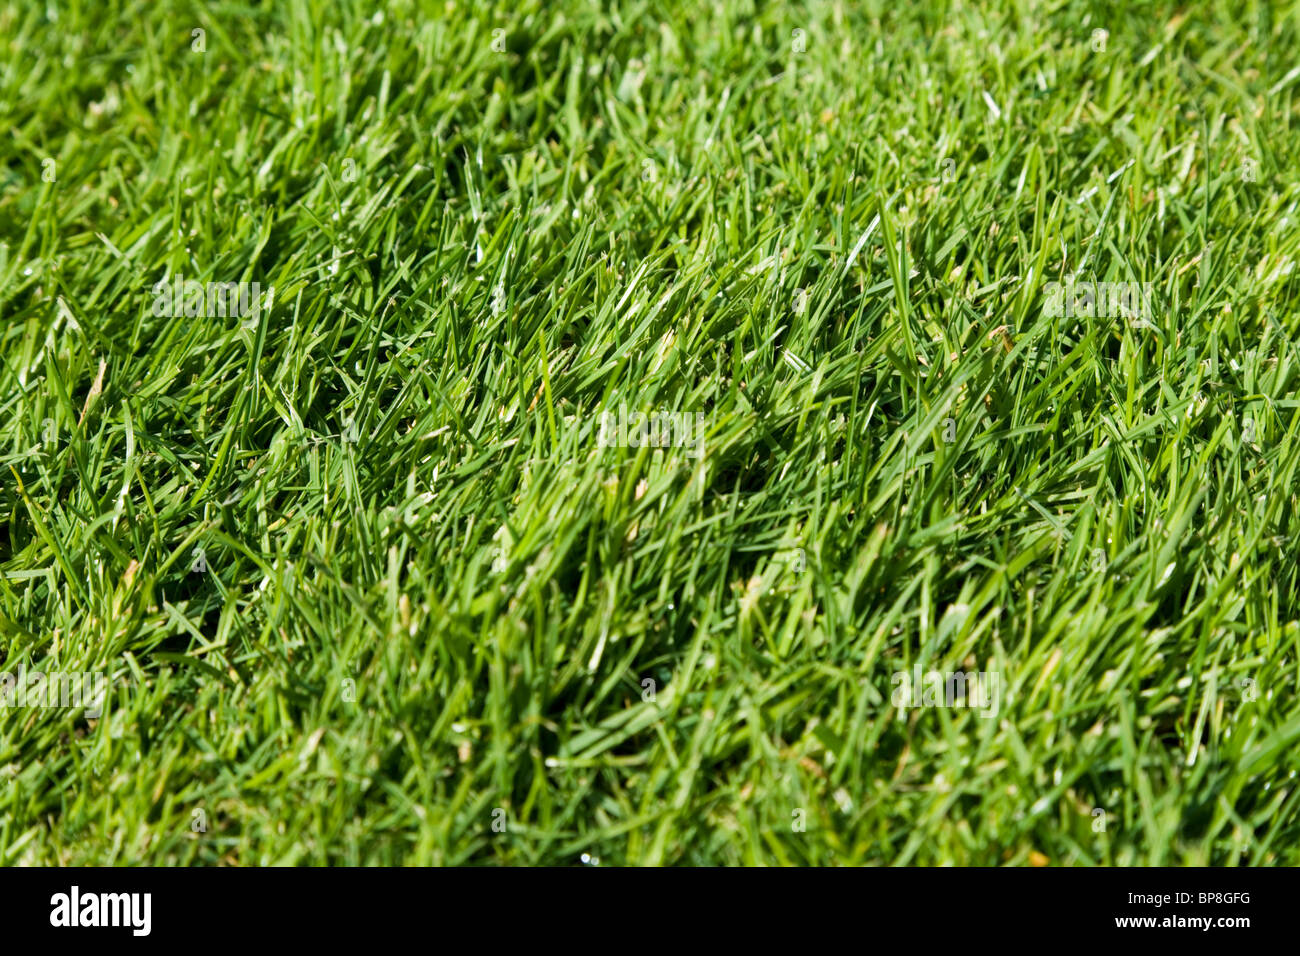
<point>649,433</point>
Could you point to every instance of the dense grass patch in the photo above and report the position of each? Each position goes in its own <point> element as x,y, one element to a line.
<point>370,584</point>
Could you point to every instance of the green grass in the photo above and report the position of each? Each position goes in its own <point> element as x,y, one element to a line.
<point>475,252</point>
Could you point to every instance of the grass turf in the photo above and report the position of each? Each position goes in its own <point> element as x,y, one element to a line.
<point>829,228</point>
